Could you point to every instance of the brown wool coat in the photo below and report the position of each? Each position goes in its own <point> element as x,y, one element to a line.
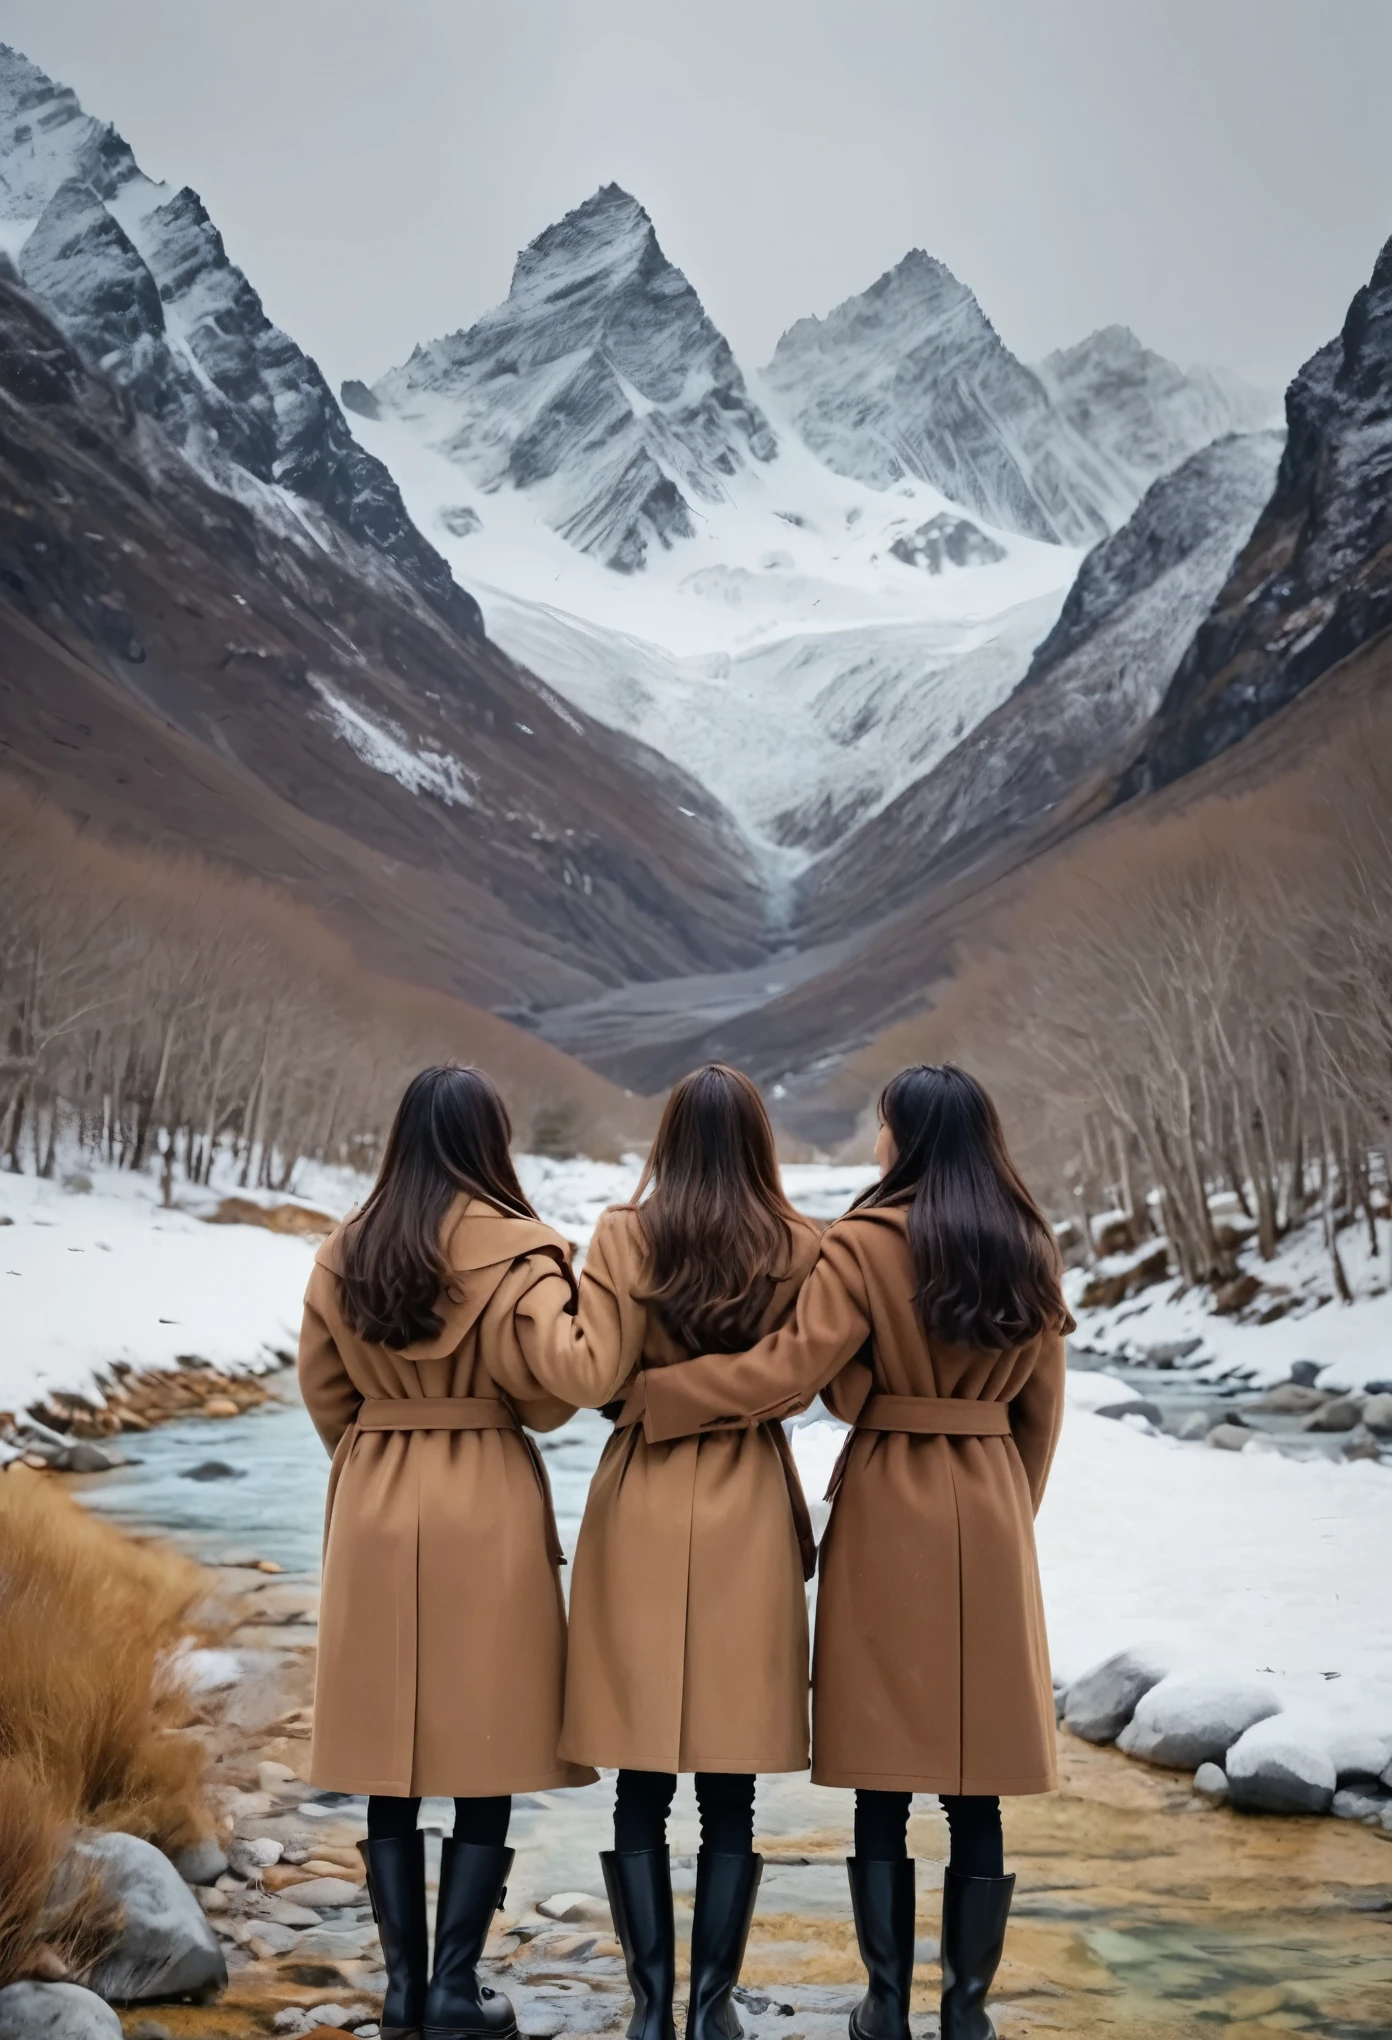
<point>931,1665</point>
<point>442,1632</point>
<point>688,1614</point>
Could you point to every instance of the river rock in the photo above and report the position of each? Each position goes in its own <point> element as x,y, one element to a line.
<point>166,1947</point>
<point>55,2011</point>
<point>1359,1754</point>
<point>1341,1414</point>
<point>84,1457</point>
<point>1292,1399</point>
<point>1361,1444</point>
<point>324,1892</point>
<point>1229,1437</point>
<point>1211,1783</point>
<point>1194,1718</point>
<point>1195,1427</point>
<point>1273,1768</point>
<point>1349,1803</point>
<point>202,1862</point>
<point>1306,1372</point>
<point>1134,1406</point>
<point>576,1908</point>
<point>213,1469</point>
<point>248,1856</point>
<point>1169,1351</point>
<point>1377,1414</point>
<point>1101,1703</point>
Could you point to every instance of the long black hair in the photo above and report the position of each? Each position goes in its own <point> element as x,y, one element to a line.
<point>451,1133</point>
<point>984,1254</point>
<point>717,1226</point>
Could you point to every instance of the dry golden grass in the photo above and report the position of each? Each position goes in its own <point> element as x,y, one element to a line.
<point>93,1719</point>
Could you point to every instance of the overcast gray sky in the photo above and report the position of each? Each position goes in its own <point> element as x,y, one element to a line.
<point>1216,174</point>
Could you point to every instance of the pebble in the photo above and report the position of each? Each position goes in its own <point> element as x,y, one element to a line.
<point>269,1776</point>
<point>575,1908</point>
<point>1211,1783</point>
<point>323,1892</point>
<point>248,1856</point>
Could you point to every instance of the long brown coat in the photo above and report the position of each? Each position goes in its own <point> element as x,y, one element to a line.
<point>688,1615</point>
<point>931,1667</point>
<point>442,1628</point>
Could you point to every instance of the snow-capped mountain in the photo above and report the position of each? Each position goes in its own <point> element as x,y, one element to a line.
<point>137,274</point>
<point>1141,412</point>
<point>600,386</point>
<point>910,379</point>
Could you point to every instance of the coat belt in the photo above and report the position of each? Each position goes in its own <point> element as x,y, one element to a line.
<point>932,1416</point>
<point>462,1413</point>
<point>935,1415</point>
<point>436,1413</point>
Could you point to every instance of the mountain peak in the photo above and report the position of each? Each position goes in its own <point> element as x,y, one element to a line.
<point>600,382</point>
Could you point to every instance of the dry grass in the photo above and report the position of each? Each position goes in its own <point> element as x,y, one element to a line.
<point>93,1721</point>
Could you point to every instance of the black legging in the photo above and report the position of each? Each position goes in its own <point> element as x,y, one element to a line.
<point>483,1821</point>
<point>974,1823</point>
<point>644,1800</point>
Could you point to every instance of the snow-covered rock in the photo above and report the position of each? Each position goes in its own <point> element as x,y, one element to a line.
<point>202,1862</point>
<point>1275,1768</point>
<point>600,386</point>
<point>166,1948</point>
<point>1102,1702</point>
<point>1194,1718</point>
<point>55,2011</point>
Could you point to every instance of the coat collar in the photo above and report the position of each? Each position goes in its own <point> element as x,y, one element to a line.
<point>481,1245</point>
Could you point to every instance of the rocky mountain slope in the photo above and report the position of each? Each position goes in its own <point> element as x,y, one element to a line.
<point>138,277</point>
<point>600,385</point>
<point>173,671</point>
<point>1091,686</point>
<point>1314,583</point>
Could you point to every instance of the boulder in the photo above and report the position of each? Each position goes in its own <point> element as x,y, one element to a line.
<point>1341,1414</point>
<point>1194,1718</point>
<point>1170,1351</point>
<point>1133,1406</point>
<point>55,2011</point>
<point>1359,1754</point>
<point>1377,1414</point>
<point>1274,1768</point>
<point>1227,1437</point>
<point>202,1862</point>
<point>1211,1783</point>
<point>1306,1372</point>
<point>1100,1704</point>
<point>166,1947</point>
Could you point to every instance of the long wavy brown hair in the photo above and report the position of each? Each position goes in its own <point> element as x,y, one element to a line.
<point>451,1133</point>
<point>717,1226</point>
<point>985,1257</point>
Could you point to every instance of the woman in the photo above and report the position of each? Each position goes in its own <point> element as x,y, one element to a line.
<point>933,1323</point>
<point>436,1324</point>
<point>688,1615</point>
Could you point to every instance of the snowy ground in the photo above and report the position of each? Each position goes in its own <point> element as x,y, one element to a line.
<point>1352,1341</point>
<point>1252,1563</point>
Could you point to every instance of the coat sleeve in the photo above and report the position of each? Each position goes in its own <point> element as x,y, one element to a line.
<point>543,1350</point>
<point>330,1395</point>
<point>782,1373</point>
<point>1036,1414</point>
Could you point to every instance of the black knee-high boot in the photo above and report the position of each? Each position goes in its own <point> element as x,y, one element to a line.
<point>975,1910</point>
<point>396,1887</point>
<point>726,1887</point>
<point>882,1900</point>
<point>639,1884</point>
<point>473,1882</point>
